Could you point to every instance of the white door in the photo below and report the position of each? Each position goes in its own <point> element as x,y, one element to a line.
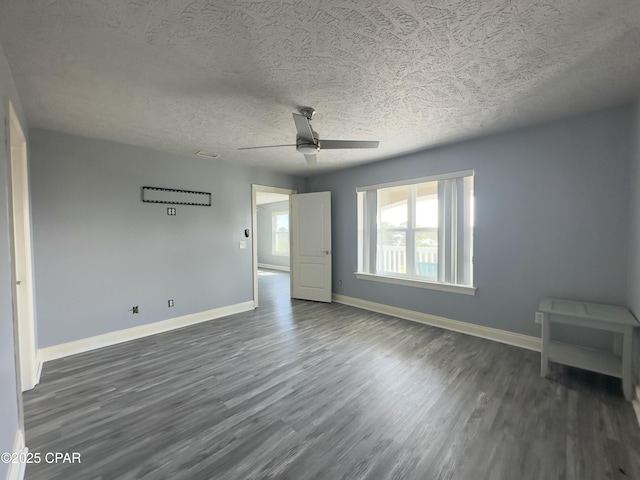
<point>311,246</point>
<point>23,293</point>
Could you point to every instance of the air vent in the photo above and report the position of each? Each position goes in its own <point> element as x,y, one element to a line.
<point>200,153</point>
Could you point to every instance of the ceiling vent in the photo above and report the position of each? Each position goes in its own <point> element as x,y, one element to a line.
<point>200,153</point>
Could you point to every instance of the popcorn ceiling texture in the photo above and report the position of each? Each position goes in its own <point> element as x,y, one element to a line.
<point>215,75</point>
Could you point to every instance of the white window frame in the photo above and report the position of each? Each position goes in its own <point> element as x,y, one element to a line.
<point>455,234</point>
<point>274,232</point>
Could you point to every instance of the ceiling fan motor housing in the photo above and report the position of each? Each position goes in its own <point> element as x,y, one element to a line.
<point>307,148</point>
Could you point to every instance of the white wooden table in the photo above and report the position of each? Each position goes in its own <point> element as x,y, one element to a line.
<point>611,318</point>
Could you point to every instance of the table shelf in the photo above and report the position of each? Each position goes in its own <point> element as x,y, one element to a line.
<point>586,358</point>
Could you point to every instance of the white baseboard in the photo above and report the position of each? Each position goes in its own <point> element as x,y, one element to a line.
<point>120,336</point>
<point>16,470</point>
<point>268,266</point>
<point>502,336</point>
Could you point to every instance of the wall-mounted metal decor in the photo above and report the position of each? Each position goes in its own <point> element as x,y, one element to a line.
<point>175,197</point>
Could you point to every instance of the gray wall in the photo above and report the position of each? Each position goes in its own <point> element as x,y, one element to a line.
<point>99,250</point>
<point>9,418</point>
<point>552,206</point>
<point>265,239</point>
<point>634,234</point>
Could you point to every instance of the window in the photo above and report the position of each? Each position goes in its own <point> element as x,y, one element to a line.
<point>280,229</point>
<point>418,232</point>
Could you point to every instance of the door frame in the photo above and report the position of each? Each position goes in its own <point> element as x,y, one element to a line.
<point>27,367</point>
<point>255,188</point>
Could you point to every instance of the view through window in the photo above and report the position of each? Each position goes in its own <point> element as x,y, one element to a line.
<point>421,230</point>
<point>280,229</point>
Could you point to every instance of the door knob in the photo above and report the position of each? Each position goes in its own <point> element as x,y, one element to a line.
<point>18,282</point>
<point>327,252</point>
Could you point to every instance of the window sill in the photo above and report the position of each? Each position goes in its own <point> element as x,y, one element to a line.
<point>443,287</point>
<point>280,254</point>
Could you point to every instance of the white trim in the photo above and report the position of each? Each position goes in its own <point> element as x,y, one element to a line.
<point>269,266</point>
<point>497,335</point>
<point>443,287</point>
<point>16,470</point>
<point>411,181</point>
<point>39,363</point>
<point>636,403</point>
<point>120,336</point>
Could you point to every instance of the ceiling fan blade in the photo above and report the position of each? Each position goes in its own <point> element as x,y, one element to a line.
<point>334,144</point>
<point>311,160</point>
<point>304,128</point>
<point>268,146</point>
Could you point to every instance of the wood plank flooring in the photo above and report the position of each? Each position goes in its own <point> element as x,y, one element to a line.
<point>303,390</point>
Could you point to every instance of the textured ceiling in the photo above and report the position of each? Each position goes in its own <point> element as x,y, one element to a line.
<point>216,75</point>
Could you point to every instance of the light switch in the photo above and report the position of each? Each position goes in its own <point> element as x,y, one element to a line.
<point>243,244</point>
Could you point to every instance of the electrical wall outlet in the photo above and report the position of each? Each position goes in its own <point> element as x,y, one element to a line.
<point>170,303</point>
<point>539,317</point>
<point>135,310</point>
<point>171,211</point>
<point>339,283</point>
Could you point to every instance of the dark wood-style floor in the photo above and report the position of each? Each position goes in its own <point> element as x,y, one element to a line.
<point>302,390</point>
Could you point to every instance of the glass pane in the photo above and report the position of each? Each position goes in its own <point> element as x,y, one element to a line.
<point>393,255</point>
<point>427,254</point>
<point>392,204</point>
<point>282,242</point>
<point>282,222</point>
<point>427,205</point>
<point>472,209</point>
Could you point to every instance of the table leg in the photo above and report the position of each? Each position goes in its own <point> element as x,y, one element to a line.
<point>627,383</point>
<point>544,367</point>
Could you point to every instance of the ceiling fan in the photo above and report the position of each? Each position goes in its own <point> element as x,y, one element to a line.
<point>308,142</point>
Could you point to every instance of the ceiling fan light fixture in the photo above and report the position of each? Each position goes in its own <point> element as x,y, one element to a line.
<point>308,148</point>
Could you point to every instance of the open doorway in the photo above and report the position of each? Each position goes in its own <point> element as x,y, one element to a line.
<point>271,242</point>
<point>272,212</point>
